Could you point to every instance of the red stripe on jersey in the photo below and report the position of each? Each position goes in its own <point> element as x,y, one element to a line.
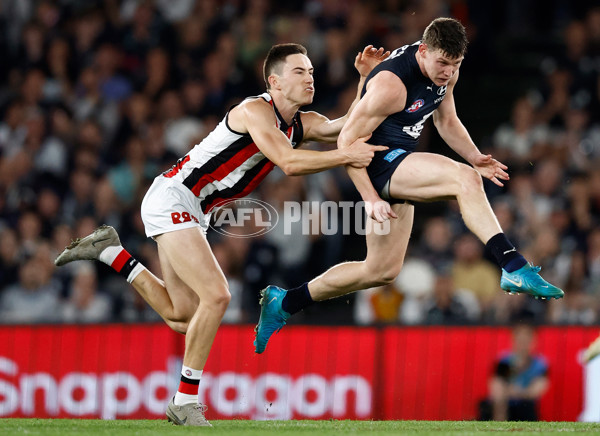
<point>249,187</point>
<point>226,168</point>
<point>177,167</point>
<point>120,261</point>
<point>187,388</point>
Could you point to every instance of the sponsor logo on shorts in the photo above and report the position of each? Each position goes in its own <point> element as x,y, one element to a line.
<point>418,104</point>
<point>394,154</point>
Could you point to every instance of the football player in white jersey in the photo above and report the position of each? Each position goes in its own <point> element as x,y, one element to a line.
<point>193,295</point>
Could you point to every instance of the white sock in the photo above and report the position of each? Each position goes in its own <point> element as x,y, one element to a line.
<point>188,386</point>
<point>121,261</point>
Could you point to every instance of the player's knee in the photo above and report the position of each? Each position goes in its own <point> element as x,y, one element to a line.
<point>471,180</point>
<point>220,299</point>
<point>224,298</point>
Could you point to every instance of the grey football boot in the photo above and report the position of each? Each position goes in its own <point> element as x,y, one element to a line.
<point>90,247</point>
<point>189,414</point>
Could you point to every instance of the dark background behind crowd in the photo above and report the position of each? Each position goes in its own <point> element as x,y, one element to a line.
<point>98,97</point>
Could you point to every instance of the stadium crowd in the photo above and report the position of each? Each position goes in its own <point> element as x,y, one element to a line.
<point>98,97</point>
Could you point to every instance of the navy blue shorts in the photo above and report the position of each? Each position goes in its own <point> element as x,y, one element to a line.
<point>382,167</point>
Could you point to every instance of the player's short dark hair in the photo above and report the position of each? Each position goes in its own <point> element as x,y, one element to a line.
<point>276,57</point>
<point>447,35</point>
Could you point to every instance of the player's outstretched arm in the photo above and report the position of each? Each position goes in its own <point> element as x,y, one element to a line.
<point>256,117</point>
<point>455,134</point>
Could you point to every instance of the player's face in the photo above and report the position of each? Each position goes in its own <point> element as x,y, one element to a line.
<point>439,67</point>
<point>296,79</point>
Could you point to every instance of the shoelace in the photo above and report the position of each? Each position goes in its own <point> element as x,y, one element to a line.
<point>536,269</point>
<point>201,407</point>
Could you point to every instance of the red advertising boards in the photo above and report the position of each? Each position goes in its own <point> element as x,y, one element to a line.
<point>130,371</point>
<point>106,372</point>
<point>438,373</point>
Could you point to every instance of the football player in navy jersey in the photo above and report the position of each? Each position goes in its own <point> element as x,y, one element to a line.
<point>259,133</point>
<point>413,84</point>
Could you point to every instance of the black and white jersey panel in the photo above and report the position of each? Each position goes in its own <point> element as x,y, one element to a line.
<point>228,164</point>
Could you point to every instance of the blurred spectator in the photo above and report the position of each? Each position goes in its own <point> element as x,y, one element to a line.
<point>89,104</point>
<point>448,305</point>
<point>523,139</point>
<point>181,132</point>
<point>128,178</point>
<point>519,381</point>
<point>12,128</point>
<point>35,298</point>
<point>9,256</point>
<point>471,272</point>
<point>582,305</point>
<point>252,39</point>
<point>386,302</point>
<point>84,303</point>
<point>78,202</point>
<point>416,281</point>
<point>114,86</point>
<point>435,243</point>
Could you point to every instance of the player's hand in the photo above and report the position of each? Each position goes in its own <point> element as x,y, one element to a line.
<point>359,153</point>
<point>369,59</point>
<point>490,168</point>
<point>379,210</point>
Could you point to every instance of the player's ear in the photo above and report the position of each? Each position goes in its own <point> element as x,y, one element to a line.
<point>422,49</point>
<point>273,81</point>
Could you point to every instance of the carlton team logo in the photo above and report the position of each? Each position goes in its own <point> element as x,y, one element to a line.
<point>416,105</point>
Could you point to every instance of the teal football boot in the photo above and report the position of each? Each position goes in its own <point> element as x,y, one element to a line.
<point>272,316</point>
<point>527,280</point>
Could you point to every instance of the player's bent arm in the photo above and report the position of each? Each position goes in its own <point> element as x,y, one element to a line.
<point>386,94</point>
<point>256,117</point>
<point>451,129</point>
<point>320,128</point>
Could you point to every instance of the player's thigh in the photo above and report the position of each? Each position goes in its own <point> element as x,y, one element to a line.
<point>386,246</point>
<point>192,261</point>
<point>427,177</point>
<point>184,299</point>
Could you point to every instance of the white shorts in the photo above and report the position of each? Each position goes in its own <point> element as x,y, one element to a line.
<point>168,206</point>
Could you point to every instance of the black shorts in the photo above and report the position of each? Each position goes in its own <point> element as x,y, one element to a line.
<point>382,167</point>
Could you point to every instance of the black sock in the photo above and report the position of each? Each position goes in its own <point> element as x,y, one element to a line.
<point>297,299</point>
<point>505,253</point>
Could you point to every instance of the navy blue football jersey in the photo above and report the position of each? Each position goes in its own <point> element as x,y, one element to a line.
<point>402,129</point>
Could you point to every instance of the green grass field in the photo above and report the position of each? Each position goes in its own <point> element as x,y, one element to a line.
<point>68,427</point>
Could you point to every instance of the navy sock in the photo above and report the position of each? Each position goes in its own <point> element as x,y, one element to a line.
<point>505,253</point>
<point>297,299</point>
